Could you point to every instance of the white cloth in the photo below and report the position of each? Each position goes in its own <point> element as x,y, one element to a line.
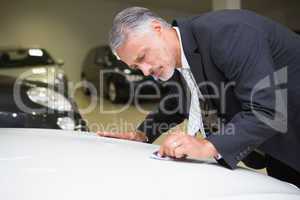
<point>195,122</point>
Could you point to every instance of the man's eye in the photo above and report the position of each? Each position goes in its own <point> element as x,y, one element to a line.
<point>141,58</point>
<point>134,67</point>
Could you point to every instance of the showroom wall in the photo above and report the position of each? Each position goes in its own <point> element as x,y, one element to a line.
<point>286,12</point>
<point>68,29</point>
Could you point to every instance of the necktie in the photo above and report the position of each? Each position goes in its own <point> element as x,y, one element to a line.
<point>195,118</point>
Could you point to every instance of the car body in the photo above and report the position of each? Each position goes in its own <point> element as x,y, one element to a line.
<point>34,104</point>
<point>104,74</point>
<point>51,164</point>
<point>33,64</point>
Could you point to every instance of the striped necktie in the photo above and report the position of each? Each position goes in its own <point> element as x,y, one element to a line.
<point>195,122</point>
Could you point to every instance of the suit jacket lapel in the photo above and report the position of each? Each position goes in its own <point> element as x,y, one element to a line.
<point>190,50</point>
<point>196,66</point>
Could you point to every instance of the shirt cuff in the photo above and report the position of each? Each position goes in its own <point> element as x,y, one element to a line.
<point>218,157</point>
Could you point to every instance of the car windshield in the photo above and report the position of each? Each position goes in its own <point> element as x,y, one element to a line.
<point>24,58</point>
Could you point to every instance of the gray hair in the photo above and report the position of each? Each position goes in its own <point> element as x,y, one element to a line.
<point>130,20</point>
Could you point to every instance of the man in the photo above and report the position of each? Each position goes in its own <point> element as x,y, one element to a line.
<point>244,65</point>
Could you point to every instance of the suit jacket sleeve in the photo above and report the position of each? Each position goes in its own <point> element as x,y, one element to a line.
<point>168,113</point>
<point>243,54</point>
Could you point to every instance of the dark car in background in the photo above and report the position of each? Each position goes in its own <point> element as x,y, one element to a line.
<point>34,104</point>
<point>102,73</point>
<point>33,64</point>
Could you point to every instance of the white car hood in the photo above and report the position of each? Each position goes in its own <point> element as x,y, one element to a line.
<point>52,164</point>
<point>45,74</point>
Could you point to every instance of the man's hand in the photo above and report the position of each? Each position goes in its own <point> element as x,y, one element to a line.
<point>180,145</point>
<point>134,136</point>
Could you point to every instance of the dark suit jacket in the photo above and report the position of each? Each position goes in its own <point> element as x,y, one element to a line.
<point>240,51</point>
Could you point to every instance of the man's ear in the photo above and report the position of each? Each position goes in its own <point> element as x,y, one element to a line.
<point>156,26</point>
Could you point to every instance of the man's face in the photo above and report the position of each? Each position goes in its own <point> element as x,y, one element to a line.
<point>150,53</point>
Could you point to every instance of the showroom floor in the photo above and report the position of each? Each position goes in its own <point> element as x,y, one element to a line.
<point>114,117</point>
<point>111,117</point>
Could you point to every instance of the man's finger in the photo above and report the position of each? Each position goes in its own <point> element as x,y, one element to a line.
<point>161,150</point>
<point>106,134</point>
<point>165,148</point>
<point>169,145</point>
<point>179,152</point>
<point>173,146</point>
<point>100,133</point>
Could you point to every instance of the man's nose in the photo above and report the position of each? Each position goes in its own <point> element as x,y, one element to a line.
<point>146,69</point>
